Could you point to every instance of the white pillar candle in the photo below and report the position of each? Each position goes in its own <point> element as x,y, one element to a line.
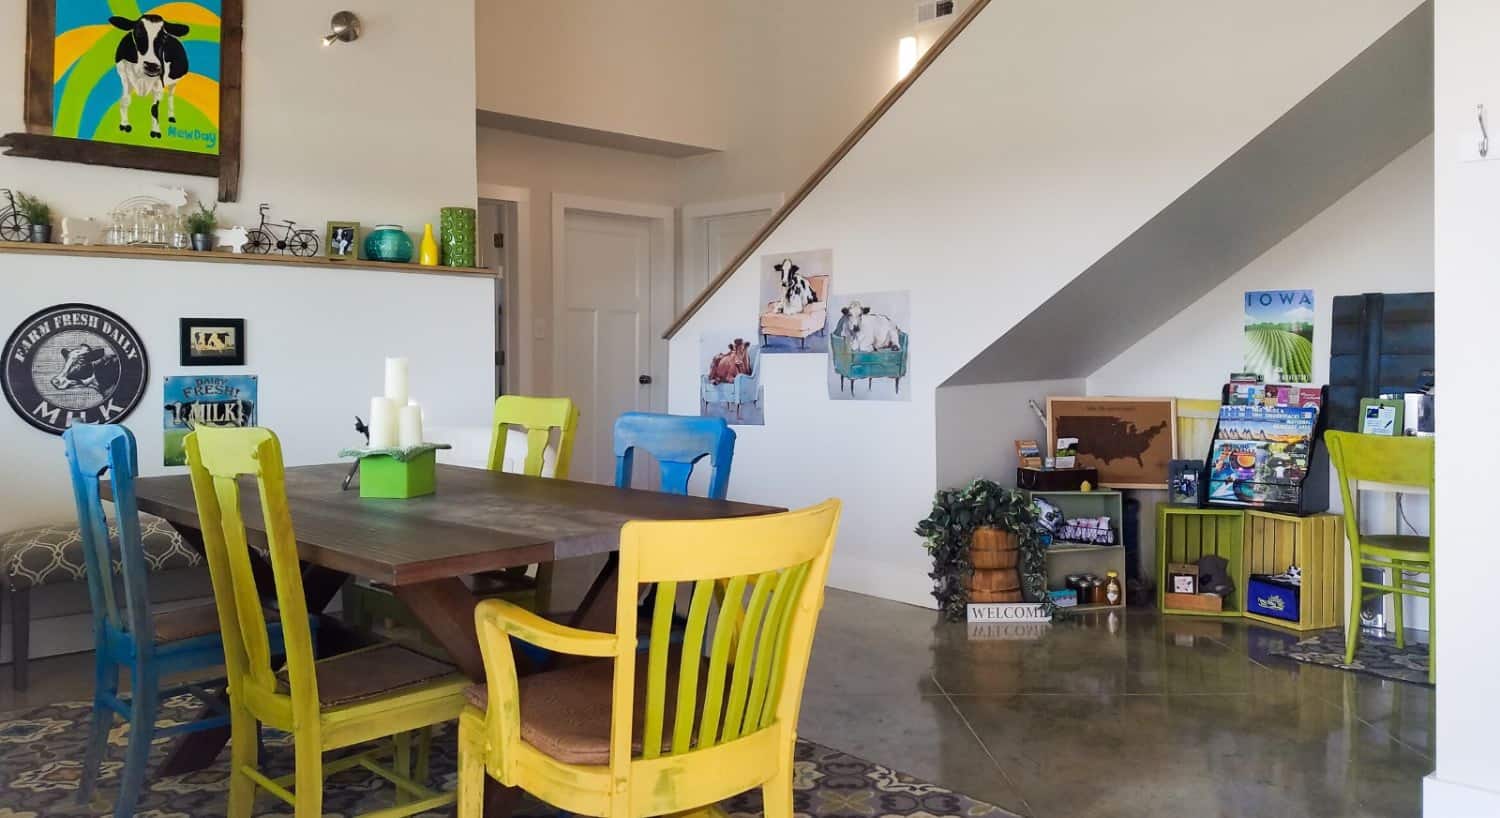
<point>411,426</point>
<point>383,429</point>
<point>395,380</point>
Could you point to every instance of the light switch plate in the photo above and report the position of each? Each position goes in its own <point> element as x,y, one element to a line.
<point>539,329</point>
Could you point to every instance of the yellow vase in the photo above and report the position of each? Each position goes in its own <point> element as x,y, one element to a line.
<point>429,254</point>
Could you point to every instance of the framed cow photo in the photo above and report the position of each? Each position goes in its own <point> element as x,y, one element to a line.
<point>146,86</point>
<point>212,341</point>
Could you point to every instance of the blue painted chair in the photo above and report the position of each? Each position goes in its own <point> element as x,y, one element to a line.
<point>677,442</point>
<point>126,633</point>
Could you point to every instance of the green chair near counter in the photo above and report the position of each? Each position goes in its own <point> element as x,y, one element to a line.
<point>1386,464</point>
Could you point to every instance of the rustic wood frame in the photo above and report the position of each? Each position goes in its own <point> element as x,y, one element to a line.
<point>38,142</point>
<point>1054,403</point>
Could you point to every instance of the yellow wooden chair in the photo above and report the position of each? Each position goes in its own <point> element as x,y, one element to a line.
<point>1390,463</point>
<point>537,417</point>
<point>374,693</point>
<point>615,737</point>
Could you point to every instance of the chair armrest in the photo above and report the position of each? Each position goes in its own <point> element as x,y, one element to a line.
<point>516,621</point>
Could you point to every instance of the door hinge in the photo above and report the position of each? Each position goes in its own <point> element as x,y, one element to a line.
<point>499,241</point>
<point>499,357</point>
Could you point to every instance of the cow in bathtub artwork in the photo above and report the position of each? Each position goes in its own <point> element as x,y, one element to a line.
<point>869,348</point>
<point>146,76</point>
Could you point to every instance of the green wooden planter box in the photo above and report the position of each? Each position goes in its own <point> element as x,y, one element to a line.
<point>383,476</point>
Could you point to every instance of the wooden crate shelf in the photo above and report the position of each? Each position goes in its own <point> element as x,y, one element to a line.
<point>1186,534</point>
<point>1315,543</point>
<point>1065,558</point>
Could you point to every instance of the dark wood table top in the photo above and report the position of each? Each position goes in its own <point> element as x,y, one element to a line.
<point>478,520</point>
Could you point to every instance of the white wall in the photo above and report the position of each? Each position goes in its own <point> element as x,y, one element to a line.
<point>1377,238</point>
<point>1014,161</point>
<point>978,425</point>
<point>647,68</point>
<point>316,340</point>
<point>375,131</point>
<point>1468,254</point>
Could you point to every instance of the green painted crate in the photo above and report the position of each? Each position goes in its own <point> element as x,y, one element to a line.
<point>1187,534</point>
<point>383,476</point>
<point>1315,543</point>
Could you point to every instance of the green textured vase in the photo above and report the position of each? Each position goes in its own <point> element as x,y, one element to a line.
<point>458,236</point>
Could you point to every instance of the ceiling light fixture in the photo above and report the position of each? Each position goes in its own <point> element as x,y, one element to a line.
<point>346,29</point>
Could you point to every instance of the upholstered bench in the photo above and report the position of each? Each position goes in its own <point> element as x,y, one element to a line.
<point>47,555</point>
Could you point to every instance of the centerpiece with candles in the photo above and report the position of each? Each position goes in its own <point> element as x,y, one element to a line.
<point>397,463</point>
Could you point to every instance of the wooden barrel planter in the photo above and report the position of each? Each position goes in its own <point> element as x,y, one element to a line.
<point>994,554</point>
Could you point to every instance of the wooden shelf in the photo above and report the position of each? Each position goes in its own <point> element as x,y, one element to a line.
<point>168,254</point>
<point>1074,548</point>
<point>1094,606</point>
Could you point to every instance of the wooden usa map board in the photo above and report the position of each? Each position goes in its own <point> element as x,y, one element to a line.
<point>1129,440</point>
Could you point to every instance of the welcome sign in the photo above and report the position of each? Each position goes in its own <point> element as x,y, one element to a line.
<point>134,74</point>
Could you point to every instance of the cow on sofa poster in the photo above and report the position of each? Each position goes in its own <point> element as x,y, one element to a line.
<point>869,353</point>
<point>793,308</point>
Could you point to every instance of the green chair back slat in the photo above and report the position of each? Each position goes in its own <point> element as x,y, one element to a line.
<point>739,688</point>
<point>656,669</point>
<point>692,660</point>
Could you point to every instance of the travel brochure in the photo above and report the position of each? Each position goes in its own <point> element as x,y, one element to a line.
<point>1260,455</point>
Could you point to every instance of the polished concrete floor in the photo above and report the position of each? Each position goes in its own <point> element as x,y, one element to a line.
<point>1126,715</point>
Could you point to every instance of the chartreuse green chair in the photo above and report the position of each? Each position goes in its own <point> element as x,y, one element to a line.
<point>353,698</point>
<point>621,737</point>
<point>1387,463</point>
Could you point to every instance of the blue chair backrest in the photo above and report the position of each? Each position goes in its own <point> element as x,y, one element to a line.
<point>93,450</point>
<point>677,442</point>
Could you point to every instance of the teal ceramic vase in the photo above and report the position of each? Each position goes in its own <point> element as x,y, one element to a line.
<point>458,236</point>
<point>388,242</point>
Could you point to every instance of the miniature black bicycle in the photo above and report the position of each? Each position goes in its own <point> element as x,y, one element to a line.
<point>283,238</point>
<point>13,226</point>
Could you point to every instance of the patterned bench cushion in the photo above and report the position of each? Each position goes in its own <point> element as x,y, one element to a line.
<point>54,553</point>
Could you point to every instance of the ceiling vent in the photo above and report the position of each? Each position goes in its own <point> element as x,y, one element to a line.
<point>934,10</point>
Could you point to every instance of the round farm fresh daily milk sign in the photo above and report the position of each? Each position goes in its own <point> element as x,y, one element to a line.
<point>73,363</point>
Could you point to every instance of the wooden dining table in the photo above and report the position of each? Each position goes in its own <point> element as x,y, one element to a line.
<point>423,548</point>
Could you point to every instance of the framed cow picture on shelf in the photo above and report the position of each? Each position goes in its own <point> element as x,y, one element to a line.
<point>148,87</point>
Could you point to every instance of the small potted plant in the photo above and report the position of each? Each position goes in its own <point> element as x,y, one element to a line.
<point>201,226</point>
<point>39,214</point>
<point>984,548</point>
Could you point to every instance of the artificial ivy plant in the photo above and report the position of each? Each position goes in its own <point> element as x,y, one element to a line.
<point>949,530</point>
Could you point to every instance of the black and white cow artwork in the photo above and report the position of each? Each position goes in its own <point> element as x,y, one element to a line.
<point>867,331</point>
<point>150,60</point>
<point>96,368</point>
<point>796,291</point>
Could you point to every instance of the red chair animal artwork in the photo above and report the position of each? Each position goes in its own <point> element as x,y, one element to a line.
<point>733,378</point>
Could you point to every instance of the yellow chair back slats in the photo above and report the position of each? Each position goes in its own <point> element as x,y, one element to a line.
<point>217,459</point>
<point>756,612</point>
<point>538,417</point>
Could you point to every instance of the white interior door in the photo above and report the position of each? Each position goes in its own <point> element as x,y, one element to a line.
<point>713,234</point>
<point>612,265</point>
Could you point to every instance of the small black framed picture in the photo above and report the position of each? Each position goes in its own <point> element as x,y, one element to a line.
<point>212,341</point>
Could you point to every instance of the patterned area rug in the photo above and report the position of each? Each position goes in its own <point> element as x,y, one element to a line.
<point>1377,657</point>
<point>40,752</point>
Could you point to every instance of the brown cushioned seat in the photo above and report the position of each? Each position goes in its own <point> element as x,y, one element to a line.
<point>566,713</point>
<point>185,623</point>
<point>370,672</point>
